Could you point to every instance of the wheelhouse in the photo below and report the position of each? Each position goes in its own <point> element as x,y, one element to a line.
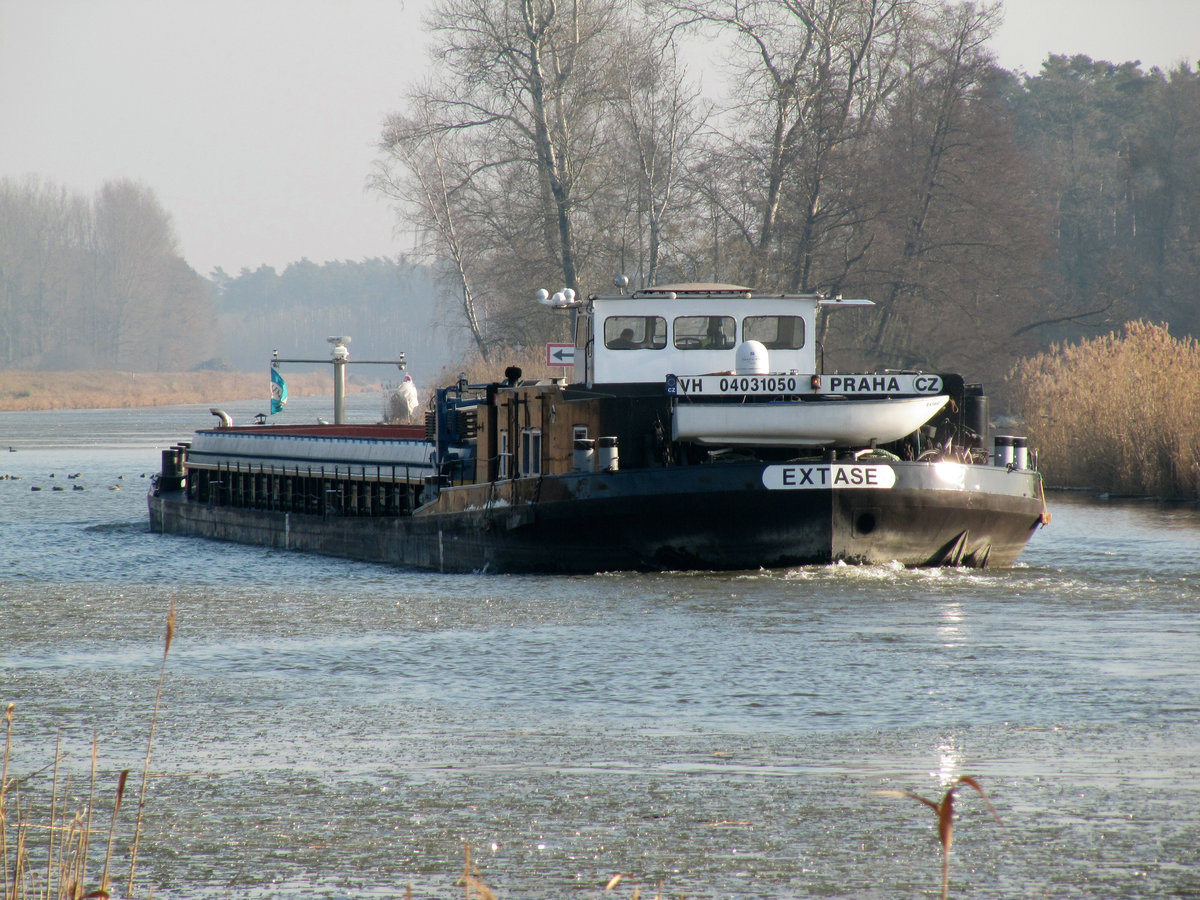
<point>690,329</point>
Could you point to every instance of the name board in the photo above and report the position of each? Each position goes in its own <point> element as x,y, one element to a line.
<point>825,476</point>
<point>858,385</point>
<point>882,384</point>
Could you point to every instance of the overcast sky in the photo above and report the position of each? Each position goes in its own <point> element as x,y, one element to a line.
<point>255,121</point>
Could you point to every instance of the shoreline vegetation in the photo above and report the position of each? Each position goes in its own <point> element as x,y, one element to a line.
<point>27,390</point>
<point>24,391</point>
<point>1118,414</point>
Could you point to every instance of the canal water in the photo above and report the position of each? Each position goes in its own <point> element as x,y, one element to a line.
<point>336,729</point>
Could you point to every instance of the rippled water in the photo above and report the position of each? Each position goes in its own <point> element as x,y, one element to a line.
<point>337,729</point>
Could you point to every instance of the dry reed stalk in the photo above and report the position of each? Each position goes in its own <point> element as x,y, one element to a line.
<point>69,840</point>
<point>112,829</point>
<point>162,675</point>
<point>70,884</point>
<point>637,888</point>
<point>470,879</point>
<point>944,810</point>
<point>53,813</point>
<point>21,859</point>
<point>91,805</point>
<point>8,714</point>
<point>617,879</point>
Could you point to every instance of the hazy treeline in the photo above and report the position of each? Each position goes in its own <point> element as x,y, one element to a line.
<point>99,283</point>
<point>386,306</point>
<point>96,282</point>
<point>865,148</point>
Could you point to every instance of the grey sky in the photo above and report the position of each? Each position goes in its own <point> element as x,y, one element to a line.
<point>255,121</point>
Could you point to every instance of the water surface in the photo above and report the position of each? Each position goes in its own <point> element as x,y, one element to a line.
<point>337,729</point>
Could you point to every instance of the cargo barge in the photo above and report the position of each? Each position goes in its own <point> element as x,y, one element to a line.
<point>697,432</point>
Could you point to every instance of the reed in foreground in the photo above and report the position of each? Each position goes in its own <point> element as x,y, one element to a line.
<point>68,829</point>
<point>475,889</point>
<point>944,810</point>
<point>62,840</point>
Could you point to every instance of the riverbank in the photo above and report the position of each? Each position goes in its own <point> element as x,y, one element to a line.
<point>28,390</point>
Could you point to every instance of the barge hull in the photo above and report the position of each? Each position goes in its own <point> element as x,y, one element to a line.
<point>719,517</point>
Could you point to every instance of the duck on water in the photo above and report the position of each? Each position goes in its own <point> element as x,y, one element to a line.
<point>696,432</point>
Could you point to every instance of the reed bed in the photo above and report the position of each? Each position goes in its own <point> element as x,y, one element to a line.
<point>24,390</point>
<point>1120,413</point>
<point>530,360</point>
<point>49,837</point>
<point>52,858</point>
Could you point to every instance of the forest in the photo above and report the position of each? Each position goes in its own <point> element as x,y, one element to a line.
<point>869,149</point>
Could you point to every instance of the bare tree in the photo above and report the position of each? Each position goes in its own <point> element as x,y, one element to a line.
<point>523,88</point>
<point>959,232</point>
<point>860,150</point>
<point>43,232</point>
<point>134,247</point>
<point>433,197</point>
<point>96,283</point>
<point>663,117</point>
<point>811,76</point>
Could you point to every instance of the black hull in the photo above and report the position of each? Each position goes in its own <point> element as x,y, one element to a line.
<point>708,517</point>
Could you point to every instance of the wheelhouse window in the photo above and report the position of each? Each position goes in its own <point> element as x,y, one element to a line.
<point>635,332</point>
<point>704,332</point>
<point>774,332</point>
<point>505,454</point>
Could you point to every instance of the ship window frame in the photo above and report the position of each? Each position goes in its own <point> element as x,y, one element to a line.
<point>646,332</point>
<point>698,332</point>
<point>530,462</point>
<point>776,344</point>
<point>504,455</point>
